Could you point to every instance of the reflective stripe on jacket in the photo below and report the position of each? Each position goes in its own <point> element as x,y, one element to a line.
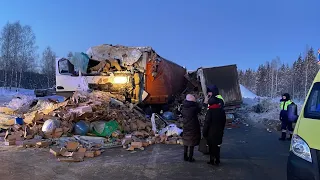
<point>284,105</point>
<point>220,97</point>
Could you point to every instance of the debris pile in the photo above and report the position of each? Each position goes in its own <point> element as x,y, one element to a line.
<point>94,114</point>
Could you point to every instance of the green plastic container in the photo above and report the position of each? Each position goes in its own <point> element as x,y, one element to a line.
<point>109,128</point>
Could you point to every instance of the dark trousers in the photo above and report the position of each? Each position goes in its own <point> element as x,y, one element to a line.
<point>191,149</point>
<point>286,125</point>
<point>214,151</point>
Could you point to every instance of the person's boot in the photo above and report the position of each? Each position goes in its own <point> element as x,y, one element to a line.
<point>211,162</point>
<point>191,159</point>
<point>283,136</point>
<point>217,162</point>
<point>185,155</point>
<point>289,138</point>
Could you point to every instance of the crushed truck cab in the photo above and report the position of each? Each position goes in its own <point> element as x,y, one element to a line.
<point>137,73</point>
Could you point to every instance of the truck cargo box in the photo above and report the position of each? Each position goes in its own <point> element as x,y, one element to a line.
<point>225,78</point>
<point>168,81</point>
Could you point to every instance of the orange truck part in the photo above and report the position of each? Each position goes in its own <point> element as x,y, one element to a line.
<point>164,79</point>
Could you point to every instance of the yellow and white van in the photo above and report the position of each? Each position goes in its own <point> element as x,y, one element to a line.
<point>304,159</point>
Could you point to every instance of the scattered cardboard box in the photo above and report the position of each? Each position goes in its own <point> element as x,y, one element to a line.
<point>55,151</point>
<point>82,150</point>
<point>11,138</point>
<point>136,145</point>
<point>43,144</point>
<point>66,154</point>
<point>72,159</point>
<point>10,143</point>
<point>145,144</point>
<point>72,146</point>
<point>89,154</point>
<point>29,143</point>
<point>97,153</point>
<point>78,155</point>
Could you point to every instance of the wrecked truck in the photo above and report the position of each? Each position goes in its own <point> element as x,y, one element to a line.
<point>137,73</point>
<point>226,79</point>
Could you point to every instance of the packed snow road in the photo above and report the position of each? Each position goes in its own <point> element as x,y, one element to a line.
<point>248,153</point>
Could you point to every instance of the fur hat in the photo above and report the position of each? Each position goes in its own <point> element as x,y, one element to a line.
<point>190,97</point>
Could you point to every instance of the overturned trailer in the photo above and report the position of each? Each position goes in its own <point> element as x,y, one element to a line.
<point>137,73</point>
<point>225,78</point>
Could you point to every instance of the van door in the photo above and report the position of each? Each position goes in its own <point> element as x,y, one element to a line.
<point>309,122</point>
<point>67,79</point>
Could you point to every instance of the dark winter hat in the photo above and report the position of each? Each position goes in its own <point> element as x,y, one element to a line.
<point>287,95</point>
<point>214,89</point>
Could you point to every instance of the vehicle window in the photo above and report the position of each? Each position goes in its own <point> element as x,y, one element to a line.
<point>65,67</point>
<point>312,108</point>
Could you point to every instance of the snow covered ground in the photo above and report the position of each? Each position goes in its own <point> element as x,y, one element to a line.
<point>247,93</point>
<point>269,108</point>
<point>7,97</point>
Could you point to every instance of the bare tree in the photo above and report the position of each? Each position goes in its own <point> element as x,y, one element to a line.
<point>48,60</point>
<point>18,51</point>
<point>28,55</point>
<point>6,42</point>
<point>275,71</point>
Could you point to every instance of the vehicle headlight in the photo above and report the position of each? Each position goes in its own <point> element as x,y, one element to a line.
<point>120,79</point>
<point>300,148</point>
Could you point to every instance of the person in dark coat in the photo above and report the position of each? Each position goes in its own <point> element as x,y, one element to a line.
<point>213,90</point>
<point>213,129</point>
<point>191,126</point>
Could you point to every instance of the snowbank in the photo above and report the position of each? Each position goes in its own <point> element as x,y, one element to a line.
<point>263,109</point>
<point>6,94</point>
<point>246,93</point>
<point>22,103</point>
<point>18,98</point>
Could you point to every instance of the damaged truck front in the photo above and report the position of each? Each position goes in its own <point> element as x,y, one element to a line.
<point>137,73</point>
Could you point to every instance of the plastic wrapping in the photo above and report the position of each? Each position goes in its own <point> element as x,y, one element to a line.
<point>50,125</point>
<point>153,121</point>
<point>104,129</point>
<point>80,60</point>
<point>171,130</point>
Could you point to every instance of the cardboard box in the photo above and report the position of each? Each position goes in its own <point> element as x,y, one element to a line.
<point>70,159</point>
<point>10,143</point>
<point>145,144</point>
<point>55,151</point>
<point>136,144</point>
<point>43,144</point>
<point>72,146</point>
<point>29,143</point>
<point>29,137</point>
<point>78,155</point>
<point>66,154</point>
<point>97,153</point>
<point>82,150</point>
<point>11,138</point>
<point>89,154</point>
